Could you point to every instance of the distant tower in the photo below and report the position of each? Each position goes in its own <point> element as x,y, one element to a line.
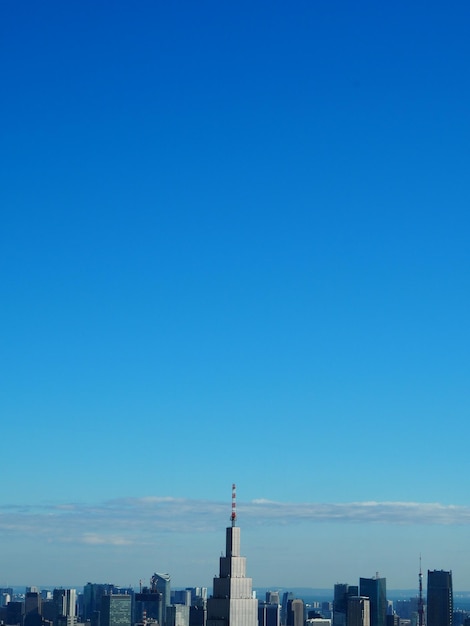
<point>232,603</point>
<point>421,620</point>
<point>440,605</point>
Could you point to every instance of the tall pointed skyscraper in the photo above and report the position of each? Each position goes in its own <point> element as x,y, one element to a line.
<point>232,602</point>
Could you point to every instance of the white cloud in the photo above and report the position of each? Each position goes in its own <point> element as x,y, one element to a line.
<point>138,520</point>
<point>94,539</point>
<point>384,512</point>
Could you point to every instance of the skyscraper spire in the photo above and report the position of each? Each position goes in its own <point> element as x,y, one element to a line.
<point>233,517</point>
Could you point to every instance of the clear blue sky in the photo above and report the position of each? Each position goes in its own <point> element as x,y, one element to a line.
<point>234,247</point>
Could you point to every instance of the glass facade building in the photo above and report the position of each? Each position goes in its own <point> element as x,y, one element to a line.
<point>375,589</point>
<point>116,610</point>
<point>440,604</point>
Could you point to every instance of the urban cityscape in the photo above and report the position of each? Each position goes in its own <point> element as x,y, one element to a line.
<point>234,248</point>
<point>232,601</point>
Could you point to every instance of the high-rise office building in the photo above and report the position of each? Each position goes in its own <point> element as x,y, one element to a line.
<point>148,605</point>
<point>286,596</point>
<point>177,615</point>
<point>64,602</point>
<point>32,608</point>
<point>342,591</point>
<point>197,615</point>
<point>181,596</point>
<point>407,609</point>
<point>49,611</point>
<point>440,605</point>
<point>6,595</point>
<point>92,593</point>
<point>198,595</point>
<point>232,602</point>
<point>197,610</point>
<point>295,612</point>
<point>358,611</point>
<point>32,602</point>
<point>269,614</point>
<point>375,589</point>
<point>327,609</point>
<point>273,597</point>
<point>116,610</point>
<point>162,583</point>
<point>14,613</point>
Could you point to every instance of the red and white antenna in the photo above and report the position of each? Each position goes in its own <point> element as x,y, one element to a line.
<point>233,517</point>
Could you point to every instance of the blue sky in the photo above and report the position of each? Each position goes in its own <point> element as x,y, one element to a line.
<point>234,247</point>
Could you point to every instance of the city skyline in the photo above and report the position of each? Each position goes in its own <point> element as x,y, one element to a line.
<point>232,601</point>
<point>234,248</point>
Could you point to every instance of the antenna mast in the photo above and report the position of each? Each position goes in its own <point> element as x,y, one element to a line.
<point>420,598</point>
<point>233,517</point>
